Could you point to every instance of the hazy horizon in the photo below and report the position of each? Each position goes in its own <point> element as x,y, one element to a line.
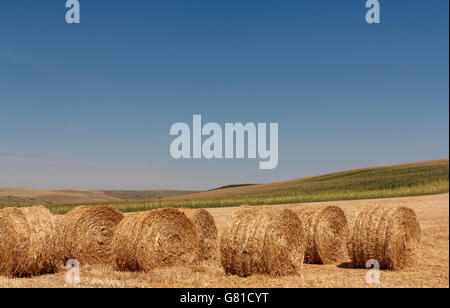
<point>203,189</point>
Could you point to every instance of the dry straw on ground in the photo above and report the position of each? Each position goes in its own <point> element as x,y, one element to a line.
<point>262,241</point>
<point>86,233</point>
<point>154,239</point>
<point>206,231</point>
<point>27,242</point>
<point>326,232</point>
<point>390,235</point>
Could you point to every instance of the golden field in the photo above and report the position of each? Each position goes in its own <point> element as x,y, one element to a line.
<point>431,271</point>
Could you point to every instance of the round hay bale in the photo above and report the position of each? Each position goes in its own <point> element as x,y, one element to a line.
<point>86,234</point>
<point>14,241</point>
<point>27,242</point>
<point>390,235</point>
<point>42,251</point>
<point>154,239</point>
<point>326,231</point>
<point>206,230</point>
<point>262,241</point>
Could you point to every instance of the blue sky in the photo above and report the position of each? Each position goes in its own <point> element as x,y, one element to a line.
<point>90,106</point>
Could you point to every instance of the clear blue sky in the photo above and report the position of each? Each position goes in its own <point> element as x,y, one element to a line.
<point>90,105</point>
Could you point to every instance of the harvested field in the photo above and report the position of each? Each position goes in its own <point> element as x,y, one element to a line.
<point>432,269</point>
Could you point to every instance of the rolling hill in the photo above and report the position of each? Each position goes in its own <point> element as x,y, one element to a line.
<point>27,197</point>
<point>422,178</point>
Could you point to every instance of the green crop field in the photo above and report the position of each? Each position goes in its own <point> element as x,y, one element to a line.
<point>431,177</point>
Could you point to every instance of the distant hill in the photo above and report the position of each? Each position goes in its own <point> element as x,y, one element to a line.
<point>422,178</point>
<point>232,186</point>
<point>26,197</point>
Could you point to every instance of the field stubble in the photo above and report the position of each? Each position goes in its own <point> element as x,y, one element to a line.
<point>431,271</point>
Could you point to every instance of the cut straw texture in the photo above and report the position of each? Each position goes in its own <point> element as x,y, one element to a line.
<point>205,227</point>
<point>262,241</point>
<point>390,235</point>
<point>326,231</point>
<point>86,234</point>
<point>27,242</point>
<point>154,239</point>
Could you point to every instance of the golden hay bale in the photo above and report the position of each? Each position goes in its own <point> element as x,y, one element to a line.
<point>27,242</point>
<point>206,230</point>
<point>326,231</point>
<point>262,241</point>
<point>390,235</point>
<point>14,241</point>
<point>154,239</point>
<point>86,234</point>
